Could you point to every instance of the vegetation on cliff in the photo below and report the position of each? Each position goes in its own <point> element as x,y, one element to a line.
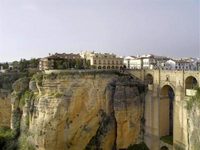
<point>193,107</point>
<point>140,146</point>
<point>7,79</point>
<point>167,139</point>
<point>7,139</point>
<point>21,96</point>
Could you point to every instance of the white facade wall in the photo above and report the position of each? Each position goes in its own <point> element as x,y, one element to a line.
<point>169,65</point>
<point>186,66</point>
<point>132,62</point>
<point>136,64</point>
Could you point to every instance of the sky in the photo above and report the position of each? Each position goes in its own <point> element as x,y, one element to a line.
<point>35,28</point>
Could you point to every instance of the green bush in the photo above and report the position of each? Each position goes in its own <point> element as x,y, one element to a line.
<point>38,77</point>
<point>24,144</point>
<point>167,139</point>
<point>26,97</point>
<point>7,139</point>
<point>6,132</point>
<point>58,95</point>
<point>140,146</point>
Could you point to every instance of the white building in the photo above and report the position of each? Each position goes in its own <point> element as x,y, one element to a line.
<point>186,64</point>
<point>144,62</point>
<point>148,61</point>
<point>169,65</point>
<point>132,62</point>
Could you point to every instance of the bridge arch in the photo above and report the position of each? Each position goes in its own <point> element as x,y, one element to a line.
<point>162,84</point>
<point>167,96</point>
<point>148,78</point>
<point>191,82</point>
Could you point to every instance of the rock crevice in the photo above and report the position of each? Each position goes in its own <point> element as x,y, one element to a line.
<point>101,111</point>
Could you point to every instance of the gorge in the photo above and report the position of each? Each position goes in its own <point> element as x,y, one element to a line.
<point>100,110</point>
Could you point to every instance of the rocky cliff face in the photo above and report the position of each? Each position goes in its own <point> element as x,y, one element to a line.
<point>5,108</point>
<point>6,81</point>
<point>193,129</point>
<point>82,111</point>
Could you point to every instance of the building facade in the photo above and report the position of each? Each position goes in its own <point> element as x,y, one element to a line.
<point>169,65</point>
<point>144,62</point>
<point>132,62</point>
<point>186,64</point>
<point>102,60</point>
<point>62,61</point>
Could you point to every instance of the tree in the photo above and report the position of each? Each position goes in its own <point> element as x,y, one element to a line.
<point>23,65</point>
<point>5,65</point>
<point>33,63</point>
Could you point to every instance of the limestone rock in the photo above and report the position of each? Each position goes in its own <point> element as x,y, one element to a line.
<point>90,111</point>
<point>5,108</point>
<point>194,126</point>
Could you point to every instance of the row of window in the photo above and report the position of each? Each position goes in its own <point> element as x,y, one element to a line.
<point>109,67</point>
<point>108,62</point>
<point>105,56</point>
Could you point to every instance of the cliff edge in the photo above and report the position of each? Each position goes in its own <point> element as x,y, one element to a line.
<point>80,110</point>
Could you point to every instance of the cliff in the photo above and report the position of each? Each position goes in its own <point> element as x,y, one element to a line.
<point>5,108</point>
<point>80,110</point>
<point>193,130</point>
<point>6,81</point>
<point>193,106</point>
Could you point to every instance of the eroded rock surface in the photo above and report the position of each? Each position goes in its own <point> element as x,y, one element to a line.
<point>5,108</point>
<point>92,111</point>
<point>194,128</point>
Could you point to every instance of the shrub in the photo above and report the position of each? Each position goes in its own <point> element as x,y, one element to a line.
<point>7,138</point>
<point>26,97</point>
<point>167,139</point>
<point>58,95</point>
<point>140,146</point>
<point>195,100</point>
<point>38,78</point>
<point>24,144</point>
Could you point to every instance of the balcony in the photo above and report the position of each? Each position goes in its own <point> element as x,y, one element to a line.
<point>190,92</point>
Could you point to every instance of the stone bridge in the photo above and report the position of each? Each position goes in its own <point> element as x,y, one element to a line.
<point>165,106</point>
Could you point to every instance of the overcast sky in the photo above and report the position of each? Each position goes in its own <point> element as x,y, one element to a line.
<point>34,28</point>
